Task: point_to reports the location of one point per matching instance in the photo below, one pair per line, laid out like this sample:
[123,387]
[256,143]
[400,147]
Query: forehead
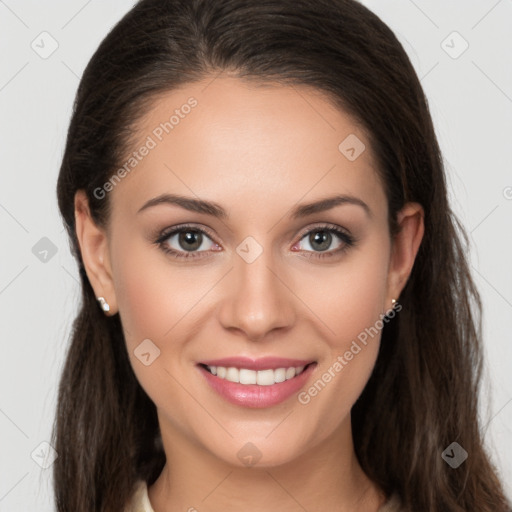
[234,141]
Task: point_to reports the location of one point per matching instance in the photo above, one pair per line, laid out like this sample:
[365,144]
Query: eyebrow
[214,209]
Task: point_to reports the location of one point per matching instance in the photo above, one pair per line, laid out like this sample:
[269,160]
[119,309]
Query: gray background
[470,95]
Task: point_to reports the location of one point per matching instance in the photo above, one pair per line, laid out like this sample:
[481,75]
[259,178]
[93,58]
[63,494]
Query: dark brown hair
[423,393]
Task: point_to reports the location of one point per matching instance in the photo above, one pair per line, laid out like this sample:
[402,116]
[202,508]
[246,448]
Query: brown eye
[329,240]
[320,240]
[186,242]
[190,240]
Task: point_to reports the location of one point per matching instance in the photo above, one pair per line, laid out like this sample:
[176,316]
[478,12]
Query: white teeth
[247,376]
[280,375]
[266,377]
[233,375]
[261,377]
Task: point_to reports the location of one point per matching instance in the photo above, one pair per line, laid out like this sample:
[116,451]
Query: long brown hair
[423,393]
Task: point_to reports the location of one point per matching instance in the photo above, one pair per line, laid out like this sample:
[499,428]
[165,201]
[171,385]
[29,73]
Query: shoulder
[392,505]
[140,500]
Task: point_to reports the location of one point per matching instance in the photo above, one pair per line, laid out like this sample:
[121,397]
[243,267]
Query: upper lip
[263,363]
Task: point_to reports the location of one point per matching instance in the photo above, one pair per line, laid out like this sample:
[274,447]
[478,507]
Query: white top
[141,503]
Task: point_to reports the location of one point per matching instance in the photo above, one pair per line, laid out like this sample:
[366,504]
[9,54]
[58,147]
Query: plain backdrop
[461,51]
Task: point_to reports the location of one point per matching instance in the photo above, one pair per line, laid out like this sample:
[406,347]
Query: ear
[405,246]
[93,243]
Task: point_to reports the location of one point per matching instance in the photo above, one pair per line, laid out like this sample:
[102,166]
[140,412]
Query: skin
[257,151]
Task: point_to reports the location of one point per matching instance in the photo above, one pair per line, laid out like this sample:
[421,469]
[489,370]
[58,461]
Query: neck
[325,477]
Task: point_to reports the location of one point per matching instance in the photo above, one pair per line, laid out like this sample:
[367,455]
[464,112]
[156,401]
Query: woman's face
[269,278]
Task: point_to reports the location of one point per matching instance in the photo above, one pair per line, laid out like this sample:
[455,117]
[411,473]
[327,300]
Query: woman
[277,311]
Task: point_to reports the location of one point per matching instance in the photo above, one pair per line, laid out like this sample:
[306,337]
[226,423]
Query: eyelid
[338,231]
[320,225]
[168,232]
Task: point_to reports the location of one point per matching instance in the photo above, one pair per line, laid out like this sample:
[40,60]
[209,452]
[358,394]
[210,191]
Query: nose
[257,298]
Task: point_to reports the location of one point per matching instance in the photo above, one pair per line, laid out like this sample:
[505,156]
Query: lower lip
[252,395]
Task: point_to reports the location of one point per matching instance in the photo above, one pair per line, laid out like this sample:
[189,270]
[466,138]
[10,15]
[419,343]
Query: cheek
[357,316]
[139,296]
[153,295]
[157,301]
[150,305]
[350,296]
[350,305]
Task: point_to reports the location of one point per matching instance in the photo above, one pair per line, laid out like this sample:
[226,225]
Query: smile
[261,377]
[256,384]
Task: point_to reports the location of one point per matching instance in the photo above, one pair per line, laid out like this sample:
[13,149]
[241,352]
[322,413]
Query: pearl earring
[103,304]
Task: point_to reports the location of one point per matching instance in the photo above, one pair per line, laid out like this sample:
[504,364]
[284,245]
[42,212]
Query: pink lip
[253,395]
[263,363]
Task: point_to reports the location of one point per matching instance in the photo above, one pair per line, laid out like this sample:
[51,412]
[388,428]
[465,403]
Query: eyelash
[348,241]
